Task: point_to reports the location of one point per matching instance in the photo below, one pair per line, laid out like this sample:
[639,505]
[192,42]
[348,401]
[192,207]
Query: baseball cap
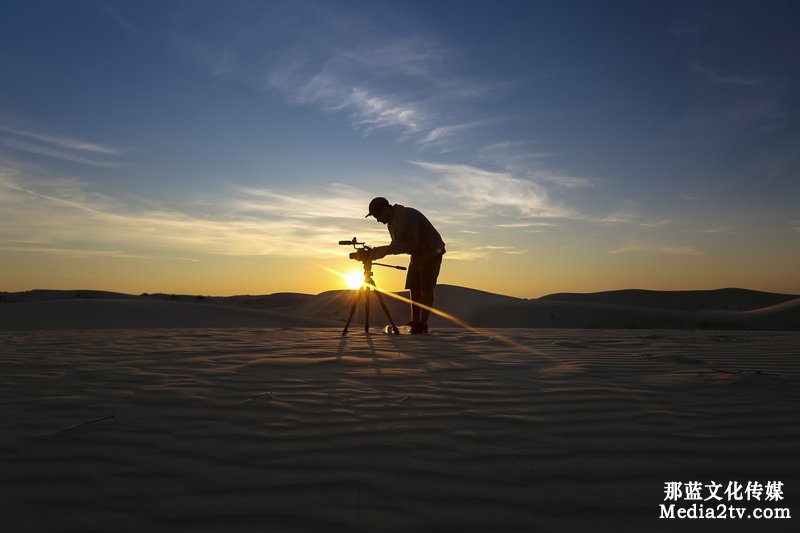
[376,205]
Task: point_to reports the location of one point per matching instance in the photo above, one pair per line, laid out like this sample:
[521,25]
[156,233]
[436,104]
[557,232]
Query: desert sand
[293,427]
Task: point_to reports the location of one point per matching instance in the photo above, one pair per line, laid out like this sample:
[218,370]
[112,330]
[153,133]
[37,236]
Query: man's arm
[379,252]
[405,246]
[405,238]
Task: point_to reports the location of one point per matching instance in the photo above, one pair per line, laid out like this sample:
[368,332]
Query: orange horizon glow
[499,274]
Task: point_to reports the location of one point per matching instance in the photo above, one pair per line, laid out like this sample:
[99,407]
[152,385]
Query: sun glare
[354,279]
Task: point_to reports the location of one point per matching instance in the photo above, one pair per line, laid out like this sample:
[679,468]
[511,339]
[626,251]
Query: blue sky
[558,146]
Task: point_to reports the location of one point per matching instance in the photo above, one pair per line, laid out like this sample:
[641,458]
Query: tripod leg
[386,310]
[352,311]
[366,308]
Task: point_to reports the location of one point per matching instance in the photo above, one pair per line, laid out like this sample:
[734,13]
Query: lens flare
[354,279]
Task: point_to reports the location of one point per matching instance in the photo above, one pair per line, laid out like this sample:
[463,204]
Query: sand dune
[718,299]
[141,313]
[629,309]
[307,431]
[262,301]
[543,314]
[784,316]
[636,309]
[40,295]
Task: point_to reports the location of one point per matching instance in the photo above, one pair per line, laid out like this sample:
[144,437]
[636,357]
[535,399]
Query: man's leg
[426,298]
[428,276]
[421,281]
[416,311]
[413,284]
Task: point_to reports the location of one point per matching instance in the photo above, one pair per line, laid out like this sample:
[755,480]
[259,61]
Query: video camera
[362,254]
[362,250]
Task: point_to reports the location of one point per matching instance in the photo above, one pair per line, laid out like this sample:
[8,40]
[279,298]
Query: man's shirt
[413,234]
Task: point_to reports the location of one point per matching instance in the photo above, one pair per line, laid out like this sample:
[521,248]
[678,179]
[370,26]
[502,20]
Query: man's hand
[378,253]
[373,254]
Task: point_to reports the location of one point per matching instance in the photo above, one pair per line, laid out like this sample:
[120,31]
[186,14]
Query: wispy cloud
[442,133]
[65,217]
[745,87]
[516,225]
[58,147]
[124,23]
[486,191]
[714,231]
[657,249]
[463,252]
[384,72]
[339,201]
[368,108]
[718,122]
[62,142]
[38,149]
[58,192]
[519,158]
[561,180]
[76,253]
[512,154]
[631,215]
[371,112]
[713,76]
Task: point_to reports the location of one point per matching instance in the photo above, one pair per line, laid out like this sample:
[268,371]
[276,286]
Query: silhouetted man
[413,234]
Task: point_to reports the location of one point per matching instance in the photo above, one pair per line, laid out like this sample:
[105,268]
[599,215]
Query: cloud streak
[441,133]
[373,112]
[657,249]
[486,191]
[124,23]
[62,142]
[713,76]
[526,225]
[384,72]
[58,147]
[65,217]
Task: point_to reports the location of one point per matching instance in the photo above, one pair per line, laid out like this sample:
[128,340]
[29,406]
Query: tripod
[365,289]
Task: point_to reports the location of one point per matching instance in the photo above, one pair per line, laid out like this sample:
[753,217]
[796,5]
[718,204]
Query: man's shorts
[423,276]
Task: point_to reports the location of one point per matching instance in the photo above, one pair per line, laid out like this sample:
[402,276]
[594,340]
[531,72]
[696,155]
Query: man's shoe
[418,329]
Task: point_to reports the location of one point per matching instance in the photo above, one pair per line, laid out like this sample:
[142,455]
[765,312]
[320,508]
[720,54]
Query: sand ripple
[302,430]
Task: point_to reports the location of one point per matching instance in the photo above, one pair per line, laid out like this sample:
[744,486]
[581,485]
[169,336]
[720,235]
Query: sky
[218,148]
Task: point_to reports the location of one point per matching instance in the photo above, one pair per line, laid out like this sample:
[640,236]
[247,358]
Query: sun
[354,279]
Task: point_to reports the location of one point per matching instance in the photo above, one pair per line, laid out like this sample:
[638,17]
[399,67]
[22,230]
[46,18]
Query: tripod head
[362,254]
